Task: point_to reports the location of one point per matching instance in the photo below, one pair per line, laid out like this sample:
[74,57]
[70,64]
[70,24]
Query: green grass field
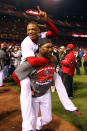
[80,100]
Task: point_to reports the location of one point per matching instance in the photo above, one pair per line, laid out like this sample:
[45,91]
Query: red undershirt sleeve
[33,61]
[15,78]
[53,30]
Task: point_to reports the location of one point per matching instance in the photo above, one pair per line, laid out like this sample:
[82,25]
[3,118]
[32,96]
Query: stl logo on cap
[71,46]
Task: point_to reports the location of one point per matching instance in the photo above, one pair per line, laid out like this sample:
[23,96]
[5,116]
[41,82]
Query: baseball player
[29,47]
[41,79]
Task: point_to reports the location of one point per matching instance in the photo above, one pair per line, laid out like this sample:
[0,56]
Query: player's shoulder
[25,41]
[43,34]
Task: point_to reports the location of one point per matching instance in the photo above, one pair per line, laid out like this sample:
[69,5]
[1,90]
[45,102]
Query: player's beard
[48,55]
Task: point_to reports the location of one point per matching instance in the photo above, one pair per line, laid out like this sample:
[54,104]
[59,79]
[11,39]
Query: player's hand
[42,14]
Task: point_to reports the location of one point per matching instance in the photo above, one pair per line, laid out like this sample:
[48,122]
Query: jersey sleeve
[15,78]
[23,70]
[33,61]
[53,30]
[27,50]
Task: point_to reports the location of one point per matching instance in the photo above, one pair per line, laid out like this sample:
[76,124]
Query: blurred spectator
[56,53]
[81,53]
[12,60]
[61,57]
[78,62]
[85,62]
[2,63]
[7,63]
[68,67]
[17,55]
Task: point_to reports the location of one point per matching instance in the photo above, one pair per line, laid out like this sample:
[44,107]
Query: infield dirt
[10,114]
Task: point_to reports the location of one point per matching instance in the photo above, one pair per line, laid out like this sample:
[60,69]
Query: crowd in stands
[10,9]
[13,24]
[12,29]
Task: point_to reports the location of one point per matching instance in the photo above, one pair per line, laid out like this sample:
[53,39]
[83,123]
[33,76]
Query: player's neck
[35,40]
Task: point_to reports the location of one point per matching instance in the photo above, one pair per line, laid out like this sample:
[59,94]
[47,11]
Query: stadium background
[13,22]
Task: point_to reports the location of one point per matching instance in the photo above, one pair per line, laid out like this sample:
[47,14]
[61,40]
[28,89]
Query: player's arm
[33,61]
[53,30]
[21,72]
[15,78]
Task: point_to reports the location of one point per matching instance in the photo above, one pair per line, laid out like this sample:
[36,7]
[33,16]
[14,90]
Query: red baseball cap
[71,46]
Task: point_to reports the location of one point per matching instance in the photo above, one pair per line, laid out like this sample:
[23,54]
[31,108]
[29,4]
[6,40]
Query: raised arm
[53,30]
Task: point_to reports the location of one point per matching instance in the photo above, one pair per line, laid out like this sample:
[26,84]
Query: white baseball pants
[26,105]
[63,96]
[44,103]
